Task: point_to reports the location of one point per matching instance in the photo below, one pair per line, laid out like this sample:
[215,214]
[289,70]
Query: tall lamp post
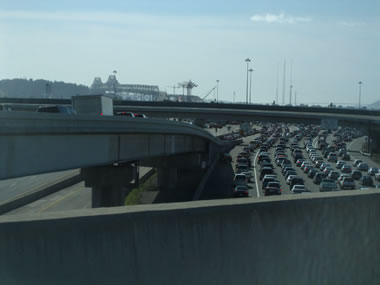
[246,96]
[114,84]
[360,92]
[250,85]
[217,90]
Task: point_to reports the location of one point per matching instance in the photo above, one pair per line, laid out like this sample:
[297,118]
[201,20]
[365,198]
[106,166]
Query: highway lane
[252,185]
[72,198]
[354,146]
[354,149]
[12,188]
[79,197]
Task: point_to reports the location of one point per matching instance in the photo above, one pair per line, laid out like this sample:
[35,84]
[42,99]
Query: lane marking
[315,142]
[257,183]
[60,200]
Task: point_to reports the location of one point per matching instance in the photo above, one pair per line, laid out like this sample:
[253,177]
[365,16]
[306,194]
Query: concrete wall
[325,238]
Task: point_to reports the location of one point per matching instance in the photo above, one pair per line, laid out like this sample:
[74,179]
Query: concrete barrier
[324,238]
[40,192]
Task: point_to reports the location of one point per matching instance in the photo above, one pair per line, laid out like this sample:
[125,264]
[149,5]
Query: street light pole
[250,85]
[246,96]
[290,94]
[360,92]
[114,85]
[217,91]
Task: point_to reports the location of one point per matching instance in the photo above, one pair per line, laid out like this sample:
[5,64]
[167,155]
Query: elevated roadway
[362,121]
[34,143]
[33,103]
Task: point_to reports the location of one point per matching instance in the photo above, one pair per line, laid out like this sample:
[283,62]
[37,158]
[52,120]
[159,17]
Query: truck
[244,129]
[92,105]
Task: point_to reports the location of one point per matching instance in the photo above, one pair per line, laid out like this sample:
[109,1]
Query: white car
[248,174]
[240,179]
[298,189]
[290,177]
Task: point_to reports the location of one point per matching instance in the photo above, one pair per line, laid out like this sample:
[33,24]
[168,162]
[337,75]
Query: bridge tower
[189,85]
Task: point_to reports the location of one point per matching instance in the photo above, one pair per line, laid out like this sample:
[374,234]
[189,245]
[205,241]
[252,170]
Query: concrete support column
[167,178]
[110,184]
[374,142]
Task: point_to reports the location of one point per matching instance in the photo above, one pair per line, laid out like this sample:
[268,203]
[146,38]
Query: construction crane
[189,85]
[174,88]
[209,92]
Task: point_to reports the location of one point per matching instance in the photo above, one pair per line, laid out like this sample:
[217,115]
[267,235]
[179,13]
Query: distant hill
[28,88]
[375,105]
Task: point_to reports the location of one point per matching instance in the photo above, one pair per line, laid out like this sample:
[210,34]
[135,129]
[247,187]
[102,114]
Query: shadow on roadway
[219,185]
[188,181]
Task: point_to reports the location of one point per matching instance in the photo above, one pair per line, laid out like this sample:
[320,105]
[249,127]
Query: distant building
[136,92]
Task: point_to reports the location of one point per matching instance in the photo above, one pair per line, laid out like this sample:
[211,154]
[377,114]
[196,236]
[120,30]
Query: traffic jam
[277,159]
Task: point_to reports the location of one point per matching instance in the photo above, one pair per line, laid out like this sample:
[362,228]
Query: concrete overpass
[367,120]
[370,124]
[107,149]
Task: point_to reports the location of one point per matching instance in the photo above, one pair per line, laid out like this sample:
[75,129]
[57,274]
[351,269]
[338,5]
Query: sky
[328,46]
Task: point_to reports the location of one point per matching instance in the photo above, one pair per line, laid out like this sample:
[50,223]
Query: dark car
[267,180]
[287,168]
[125,114]
[226,157]
[373,170]
[56,109]
[366,180]
[240,191]
[266,164]
[318,178]
[298,156]
[346,156]
[269,191]
[362,166]
[296,181]
[346,168]
[328,185]
[356,174]
[275,184]
[265,171]
[241,160]
[289,172]
[312,172]
[137,115]
[334,175]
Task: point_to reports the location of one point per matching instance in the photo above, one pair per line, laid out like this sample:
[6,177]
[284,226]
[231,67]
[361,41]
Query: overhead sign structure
[329,124]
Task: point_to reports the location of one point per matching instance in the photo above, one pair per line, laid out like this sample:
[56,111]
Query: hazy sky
[332,45]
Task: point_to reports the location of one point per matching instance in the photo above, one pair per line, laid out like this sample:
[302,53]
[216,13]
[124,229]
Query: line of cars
[243,165]
[270,182]
[334,174]
[329,169]
[243,173]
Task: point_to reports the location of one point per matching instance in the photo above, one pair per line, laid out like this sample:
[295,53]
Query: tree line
[40,88]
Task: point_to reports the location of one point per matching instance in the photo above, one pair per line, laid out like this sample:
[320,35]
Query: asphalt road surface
[71,198]
[12,188]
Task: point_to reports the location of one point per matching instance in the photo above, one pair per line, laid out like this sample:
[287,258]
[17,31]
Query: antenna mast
[283,85]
